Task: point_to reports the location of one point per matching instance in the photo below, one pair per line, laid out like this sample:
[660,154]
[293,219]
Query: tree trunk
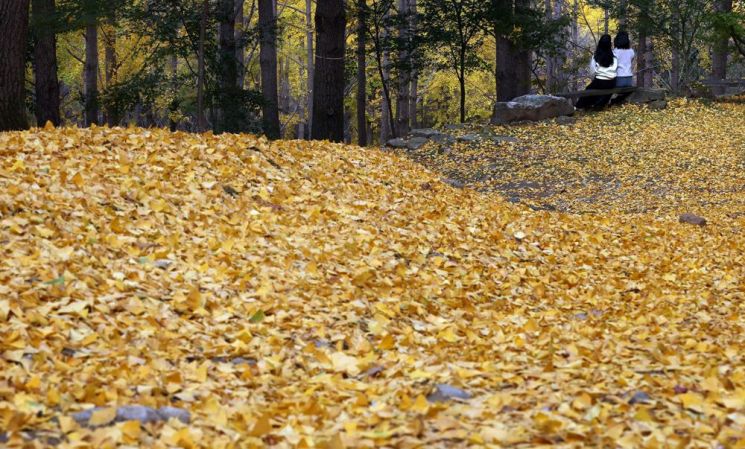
[173,107]
[606,20]
[720,49]
[91,74]
[649,64]
[361,73]
[404,71]
[311,63]
[387,125]
[414,95]
[550,60]
[201,120]
[513,63]
[268,63]
[231,116]
[110,69]
[641,52]
[328,86]
[675,70]
[45,64]
[240,43]
[462,82]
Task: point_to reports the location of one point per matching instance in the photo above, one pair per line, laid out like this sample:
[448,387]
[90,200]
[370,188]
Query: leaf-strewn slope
[304,294]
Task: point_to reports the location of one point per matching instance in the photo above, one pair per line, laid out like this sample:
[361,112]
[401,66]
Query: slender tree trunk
[173,107]
[575,36]
[311,63]
[675,70]
[720,49]
[45,64]
[240,43]
[91,74]
[649,64]
[268,63]
[387,125]
[606,20]
[404,70]
[328,86]
[361,73]
[201,120]
[462,81]
[414,95]
[110,69]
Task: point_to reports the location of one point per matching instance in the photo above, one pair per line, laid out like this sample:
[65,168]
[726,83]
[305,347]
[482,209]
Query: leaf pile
[311,295]
[689,158]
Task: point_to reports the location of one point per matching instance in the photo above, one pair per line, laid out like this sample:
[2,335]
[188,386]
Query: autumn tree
[361,73]
[46,82]
[14,18]
[328,85]
[268,62]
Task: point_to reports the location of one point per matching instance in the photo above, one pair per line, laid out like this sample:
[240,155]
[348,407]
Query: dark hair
[622,41]
[604,53]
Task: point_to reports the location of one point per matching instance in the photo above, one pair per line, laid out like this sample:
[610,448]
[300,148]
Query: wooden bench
[574,96]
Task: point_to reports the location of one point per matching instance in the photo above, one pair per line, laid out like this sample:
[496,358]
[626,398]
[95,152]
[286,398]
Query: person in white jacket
[625,55]
[604,68]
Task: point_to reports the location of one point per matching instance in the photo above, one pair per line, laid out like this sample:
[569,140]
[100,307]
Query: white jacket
[604,73]
[625,61]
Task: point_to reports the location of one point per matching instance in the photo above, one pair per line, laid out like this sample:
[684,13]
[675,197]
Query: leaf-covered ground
[630,159]
[310,295]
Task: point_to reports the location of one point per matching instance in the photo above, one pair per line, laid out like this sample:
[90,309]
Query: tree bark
[91,74]
[110,69]
[328,85]
[46,87]
[268,63]
[404,71]
[240,43]
[231,109]
[513,63]
[387,125]
[201,120]
[720,49]
[361,73]
[414,95]
[311,63]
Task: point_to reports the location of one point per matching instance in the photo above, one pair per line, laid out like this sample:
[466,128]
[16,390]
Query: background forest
[199,64]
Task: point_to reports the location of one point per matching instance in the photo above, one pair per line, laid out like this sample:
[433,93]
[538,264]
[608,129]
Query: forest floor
[313,295]
[630,159]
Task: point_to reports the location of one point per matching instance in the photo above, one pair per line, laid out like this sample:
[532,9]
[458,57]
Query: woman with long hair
[604,67]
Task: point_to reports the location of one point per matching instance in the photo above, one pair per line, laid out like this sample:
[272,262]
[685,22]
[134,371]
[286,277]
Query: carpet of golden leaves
[311,295]
[630,159]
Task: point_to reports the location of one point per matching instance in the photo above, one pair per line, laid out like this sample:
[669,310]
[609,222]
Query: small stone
[444,150]
[139,413]
[657,105]
[416,142]
[373,371]
[640,397]
[454,183]
[243,361]
[445,392]
[163,263]
[167,412]
[426,186]
[566,120]
[427,133]
[514,199]
[680,389]
[397,143]
[467,138]
[581,316]
[692,219]
[443,138]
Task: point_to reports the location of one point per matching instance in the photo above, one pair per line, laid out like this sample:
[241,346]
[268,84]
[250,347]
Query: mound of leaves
[179,290]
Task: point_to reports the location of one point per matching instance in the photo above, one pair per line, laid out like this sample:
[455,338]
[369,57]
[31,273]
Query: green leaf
[257,317]
[58,281]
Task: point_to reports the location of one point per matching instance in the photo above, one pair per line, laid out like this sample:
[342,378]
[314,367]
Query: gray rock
[427,133]
[503,139]
[657,105]
[692,219]
[139,413]
[531,108]
[640,397]
[416,142]
[642,96]
[397,143]
[468,138]
[454,183]
[566,120]
[444,150]
[443,138]
[445,392]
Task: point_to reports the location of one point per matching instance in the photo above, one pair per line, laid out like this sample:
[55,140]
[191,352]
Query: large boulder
[643,96]
[532,108]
